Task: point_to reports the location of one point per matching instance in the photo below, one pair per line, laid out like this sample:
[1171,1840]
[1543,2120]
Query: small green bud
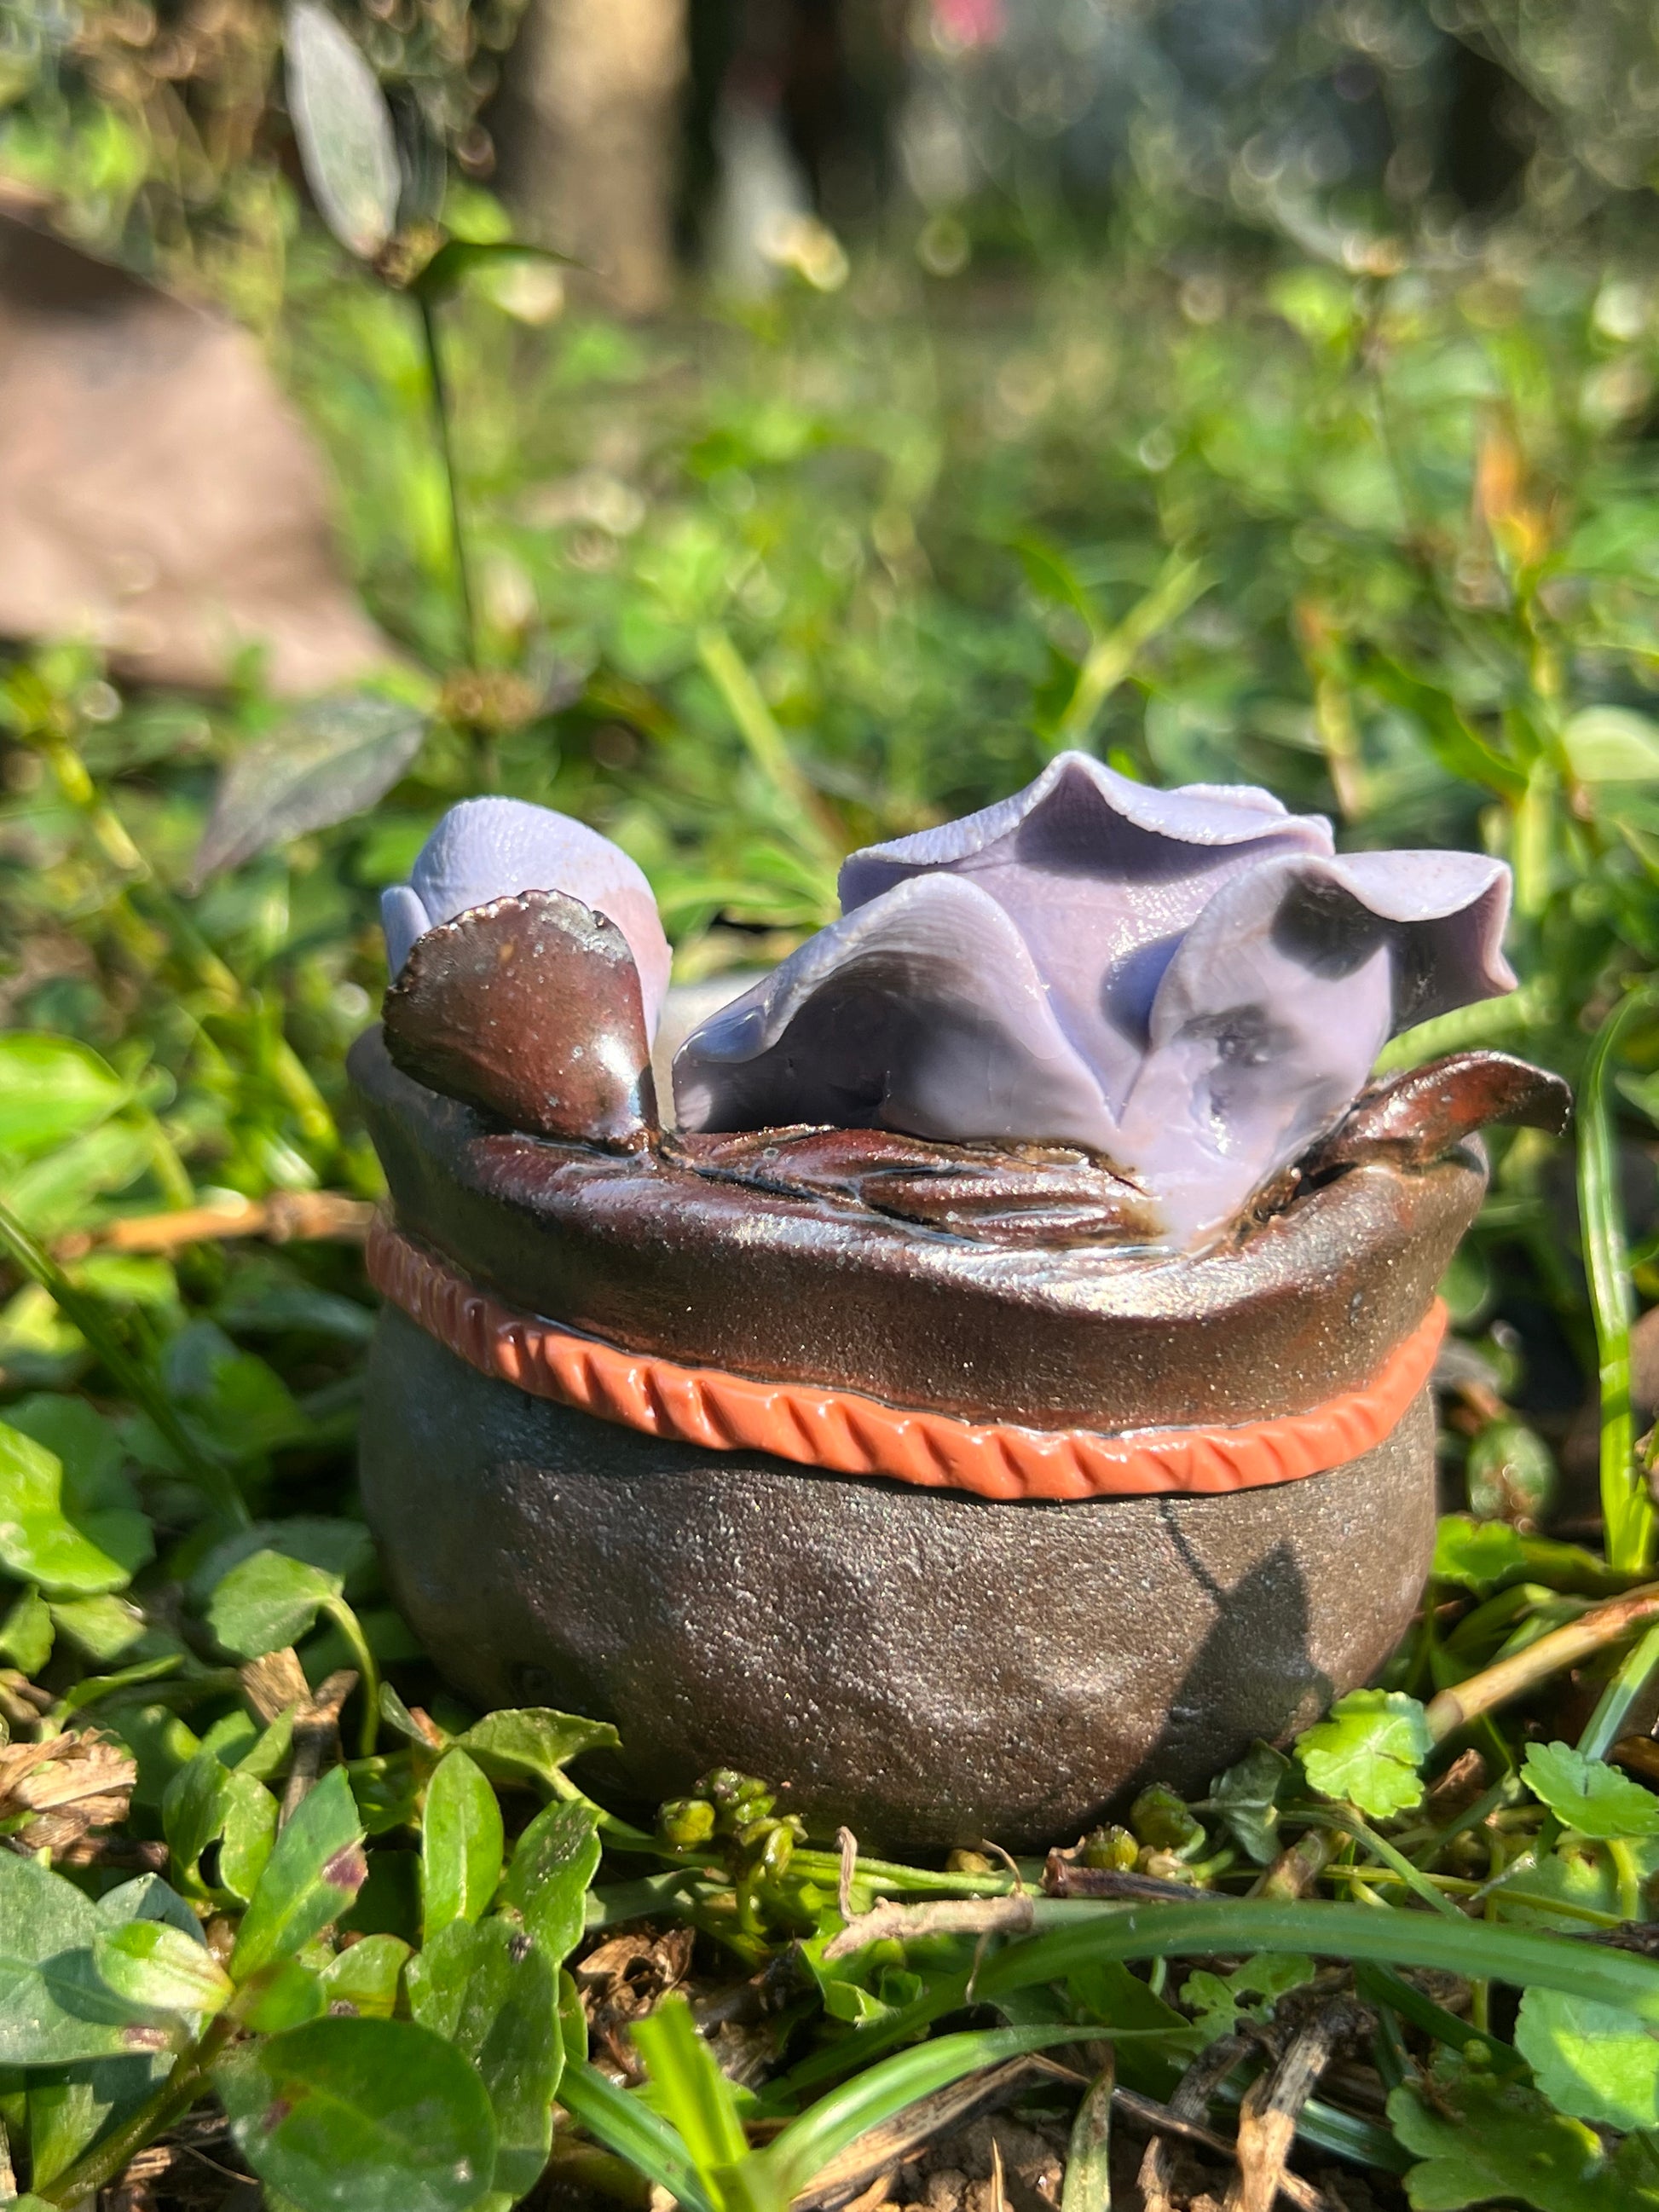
[685,1822]
[1163,1823]
[1113,1848]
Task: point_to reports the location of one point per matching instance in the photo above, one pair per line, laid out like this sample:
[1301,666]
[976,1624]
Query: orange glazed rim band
[847,1433]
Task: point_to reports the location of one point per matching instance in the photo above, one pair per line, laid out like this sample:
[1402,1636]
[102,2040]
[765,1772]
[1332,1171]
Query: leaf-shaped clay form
[1187,982]
[1050,1196]
[491,848]
[529,1008]
[1272,1013]
[1414,1119]
[1102,876]
[922,1012]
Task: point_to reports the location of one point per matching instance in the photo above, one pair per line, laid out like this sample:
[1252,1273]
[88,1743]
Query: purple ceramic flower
[1189,981]
[489,848]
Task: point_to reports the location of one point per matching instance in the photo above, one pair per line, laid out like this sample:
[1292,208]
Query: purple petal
[402,918]
[1102,876]
[1271,1015]
[488,848]
[921,1012]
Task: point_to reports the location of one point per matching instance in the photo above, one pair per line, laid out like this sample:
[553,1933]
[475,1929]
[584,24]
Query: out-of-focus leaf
[1612,745]
[157,1966]
[361,2116]
[51,1088]
[1588,1794]
[553,1864]
[339,1547]
[243,1404]
[457,258]
[1476,1554]
[27,1633]
[492,1991]
[267,1601]
[687,2088]
[1596,2062]
[44,1539]
[334,759]
[314,1871]
[344,129]
[533,1743]
[1369,1751]
[462,1841]
[1510,1472]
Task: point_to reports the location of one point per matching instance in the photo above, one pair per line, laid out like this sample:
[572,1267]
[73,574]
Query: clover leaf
[1480,2138]
[1597,2062]
[1369,1751]
[1588,1794]
[48,1537]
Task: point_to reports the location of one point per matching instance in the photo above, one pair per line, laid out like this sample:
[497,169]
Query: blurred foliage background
[1262,392]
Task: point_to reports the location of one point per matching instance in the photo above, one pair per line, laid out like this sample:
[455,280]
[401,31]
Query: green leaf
[1246,1797]
[1087,2186]
[1476,1554]
[1588,1794]
[51,1088]
[533,1743]
[335,758]
[148,1897]
[688,2089]
[1480,2138]
[361,2115]
[492,1991]
[43,1540]
[314,1871]
[27,1633]
[346,138]
[461,1845]
[1220,2001]
[365,1976]
[457,258]
[54,2009]
[1612,745]
[281,1997]
[339,1547]
[70,2107]
[269,1602]
[807,2144]
[159,1968]
[1368,1751]
[1596,2062]
[553,1864]
[624,2123]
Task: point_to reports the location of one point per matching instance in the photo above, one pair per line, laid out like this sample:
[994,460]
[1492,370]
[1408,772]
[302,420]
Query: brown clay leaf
[530,1008]
[1013,1194]
[1416,1118]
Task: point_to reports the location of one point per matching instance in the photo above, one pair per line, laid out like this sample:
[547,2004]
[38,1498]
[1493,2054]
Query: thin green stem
[369,1687]
[1627,1514]
[86,1312]
[443,417]
[186,2082]
[1607,1722]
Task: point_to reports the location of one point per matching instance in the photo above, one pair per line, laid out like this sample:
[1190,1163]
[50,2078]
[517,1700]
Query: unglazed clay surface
[928,1667]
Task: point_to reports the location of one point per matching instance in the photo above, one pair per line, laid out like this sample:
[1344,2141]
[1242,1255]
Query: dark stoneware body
[929,1667]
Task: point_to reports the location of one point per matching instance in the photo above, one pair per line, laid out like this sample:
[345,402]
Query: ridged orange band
[850,1434]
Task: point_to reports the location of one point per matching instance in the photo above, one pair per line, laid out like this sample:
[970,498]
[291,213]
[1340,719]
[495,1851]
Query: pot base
[929,1668]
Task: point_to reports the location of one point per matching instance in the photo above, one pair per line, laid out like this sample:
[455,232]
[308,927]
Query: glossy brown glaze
[1414,1119]
[528,1009]
[650,1251]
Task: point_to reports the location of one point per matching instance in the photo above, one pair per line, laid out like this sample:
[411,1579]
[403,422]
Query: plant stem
[102,2164]
[369,1688]
[1627,1515]
[1563,1647]
[1610,1719]
[86,1313]
[441,416]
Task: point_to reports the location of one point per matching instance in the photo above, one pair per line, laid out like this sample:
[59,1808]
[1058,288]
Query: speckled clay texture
[929,1667]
